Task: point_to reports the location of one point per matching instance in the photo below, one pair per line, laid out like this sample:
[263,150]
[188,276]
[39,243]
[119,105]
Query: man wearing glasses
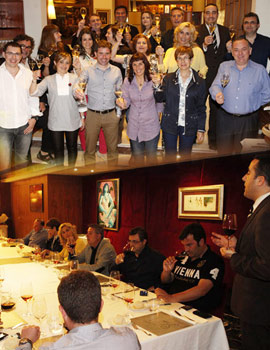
[140,265]
[16,107]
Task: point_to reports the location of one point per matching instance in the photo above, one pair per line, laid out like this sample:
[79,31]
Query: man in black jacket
[212,38]
[250,259]
[177,17]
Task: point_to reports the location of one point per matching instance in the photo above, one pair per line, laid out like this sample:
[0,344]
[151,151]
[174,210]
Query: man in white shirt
[16,124]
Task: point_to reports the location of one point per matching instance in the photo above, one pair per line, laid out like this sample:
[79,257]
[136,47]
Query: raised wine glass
[229,226]
[27,294]
[39,60]
[82,86]
[225,79]
[83,12]
[157,36]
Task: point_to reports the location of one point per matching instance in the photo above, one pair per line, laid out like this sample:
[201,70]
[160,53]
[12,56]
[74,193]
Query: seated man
[53,243]
[141,265]
[38,236]
[196,277]
[80,301]
[99,254]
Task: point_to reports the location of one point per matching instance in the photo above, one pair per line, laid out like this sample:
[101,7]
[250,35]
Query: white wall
[262,8]
[35,18]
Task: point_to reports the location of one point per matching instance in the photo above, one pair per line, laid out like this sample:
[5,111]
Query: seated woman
[184,35]
[184,113]
[69,239]
[143,125]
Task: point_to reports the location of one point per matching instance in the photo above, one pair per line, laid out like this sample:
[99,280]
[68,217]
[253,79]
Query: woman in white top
[184,35]
[64,117]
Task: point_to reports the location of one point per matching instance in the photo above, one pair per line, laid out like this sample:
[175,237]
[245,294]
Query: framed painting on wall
[108,203]
[36,198]
[204,202]
[105,16]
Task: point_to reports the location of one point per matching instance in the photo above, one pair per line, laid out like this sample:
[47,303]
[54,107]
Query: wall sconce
[51,10]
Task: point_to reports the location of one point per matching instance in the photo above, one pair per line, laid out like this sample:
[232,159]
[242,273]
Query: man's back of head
[79,295]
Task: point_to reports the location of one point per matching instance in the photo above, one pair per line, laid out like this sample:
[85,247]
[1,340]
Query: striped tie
[215,42]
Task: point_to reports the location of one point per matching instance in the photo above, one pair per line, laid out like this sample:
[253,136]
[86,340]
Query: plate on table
[139,306]
[119,321]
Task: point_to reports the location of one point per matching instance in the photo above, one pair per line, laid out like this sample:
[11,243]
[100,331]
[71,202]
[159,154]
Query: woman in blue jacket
[184,114]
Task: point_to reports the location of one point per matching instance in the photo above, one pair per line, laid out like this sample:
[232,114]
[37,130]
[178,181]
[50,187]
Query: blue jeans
[10,138]
[185,142]
[148,147]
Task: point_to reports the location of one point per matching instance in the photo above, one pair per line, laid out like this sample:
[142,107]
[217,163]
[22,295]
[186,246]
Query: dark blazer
[251,287]
[213,60]
[56,247]
[195,104]
[167,39]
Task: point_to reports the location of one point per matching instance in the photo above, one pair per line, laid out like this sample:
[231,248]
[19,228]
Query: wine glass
[225,79]
[32,63]
[127,248]
[115,278]
[82,86]
[157,36]
[39,60]
[76,51]
[179,254]
[73,265]
[39,308]
[127,28]
[229,226]
[129,293]
[27,294]
[83,12]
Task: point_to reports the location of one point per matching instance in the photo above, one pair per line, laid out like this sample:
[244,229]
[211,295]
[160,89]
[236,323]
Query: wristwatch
[25,344]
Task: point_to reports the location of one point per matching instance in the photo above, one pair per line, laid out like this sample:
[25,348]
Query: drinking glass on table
[229,226]
[39,308]
[27,294]
[115,278]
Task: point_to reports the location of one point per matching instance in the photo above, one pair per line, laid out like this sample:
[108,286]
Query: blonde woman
[70,240]
[184,35]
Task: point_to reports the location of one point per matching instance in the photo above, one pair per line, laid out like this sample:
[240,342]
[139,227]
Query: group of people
[172,78]
[193,276]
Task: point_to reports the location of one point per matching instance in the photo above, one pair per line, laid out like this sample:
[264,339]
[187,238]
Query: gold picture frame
[108,203]
[202,202]
[105,16]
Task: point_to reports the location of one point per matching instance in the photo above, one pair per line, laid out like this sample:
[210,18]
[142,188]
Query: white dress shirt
[16,106]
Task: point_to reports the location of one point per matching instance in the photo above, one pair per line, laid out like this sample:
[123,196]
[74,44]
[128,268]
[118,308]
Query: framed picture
[204,202]
[108,203]
[36,198]
[105,16]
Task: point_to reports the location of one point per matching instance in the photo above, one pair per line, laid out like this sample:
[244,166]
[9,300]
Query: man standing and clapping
[250,259]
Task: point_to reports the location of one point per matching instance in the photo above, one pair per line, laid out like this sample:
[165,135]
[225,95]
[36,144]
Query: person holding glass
[64,116]
[143,124]
[184,114]
[149,29]
[184,35]
[70,241]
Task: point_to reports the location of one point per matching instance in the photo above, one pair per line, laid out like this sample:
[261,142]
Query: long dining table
[159,329]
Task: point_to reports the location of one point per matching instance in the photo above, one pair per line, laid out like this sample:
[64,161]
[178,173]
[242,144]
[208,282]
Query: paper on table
[11,319]
[160,323]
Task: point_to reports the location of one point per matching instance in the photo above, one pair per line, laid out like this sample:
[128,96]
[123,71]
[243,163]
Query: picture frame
[105,16]
[36,198]
[108,203]
[202,202]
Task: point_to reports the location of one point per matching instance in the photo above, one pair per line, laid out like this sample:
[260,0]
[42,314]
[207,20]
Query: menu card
[160,323]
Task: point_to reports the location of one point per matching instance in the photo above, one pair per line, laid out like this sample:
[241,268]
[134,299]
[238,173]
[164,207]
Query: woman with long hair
[149,29]
[143,124]
[185,34]
[70,240]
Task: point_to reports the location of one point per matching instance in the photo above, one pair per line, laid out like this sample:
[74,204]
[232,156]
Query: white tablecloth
[208,336]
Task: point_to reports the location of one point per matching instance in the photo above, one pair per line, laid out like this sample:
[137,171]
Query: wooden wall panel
[235,11]
[22,217]
[65,199]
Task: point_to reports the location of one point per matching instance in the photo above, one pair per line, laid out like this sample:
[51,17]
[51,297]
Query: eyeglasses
[134,241]
[185,58]
[250,22]
[17,54]
[26,47]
